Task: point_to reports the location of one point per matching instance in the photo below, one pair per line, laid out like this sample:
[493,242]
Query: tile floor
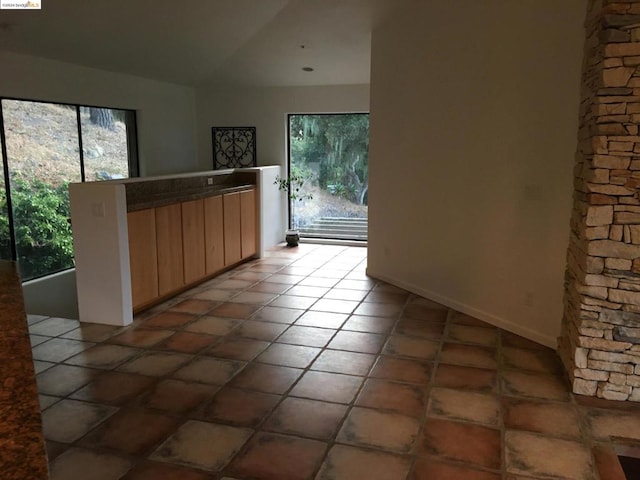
[299,366]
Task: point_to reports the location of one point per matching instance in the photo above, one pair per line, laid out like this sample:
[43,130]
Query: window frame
[132,160]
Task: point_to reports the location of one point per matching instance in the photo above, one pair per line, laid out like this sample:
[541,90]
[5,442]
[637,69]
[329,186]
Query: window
[46,146]
[330,152]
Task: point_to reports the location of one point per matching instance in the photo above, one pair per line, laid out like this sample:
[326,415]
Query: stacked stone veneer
[600,342]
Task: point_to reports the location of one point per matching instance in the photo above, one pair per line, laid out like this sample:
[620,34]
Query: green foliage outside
[43,235]
[336,147]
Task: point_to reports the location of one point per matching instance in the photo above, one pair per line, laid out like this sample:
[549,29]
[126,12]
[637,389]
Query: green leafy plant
[294,183]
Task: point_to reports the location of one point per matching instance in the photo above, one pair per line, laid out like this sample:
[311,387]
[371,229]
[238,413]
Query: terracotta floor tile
[376,429]
[277,314]
[55,449]
[550,418]
[402,370]
[533,360]
[339,361]
[322,319]
[214,371]
[267,378]
[194,305]
[314,281]
[536,385]
[355,284]
[464,405]
[360,323]
[216,295]
[59,349]
[442,438]
[251,276]
[76,462]
[307,336]
[235,310]
[419,348]
[306,418]
[92,332]
[284,279]
[428,469]
[202,445]
[229,284]
[274,288]
[238,407]
[266,331]
[400,398]
[344,462]
[386,297]
[114,388]
[47,400]
[155,364]
[357,342]
[412,327]
[334,306]
[292,301]
[330,387]
[512,340]
[534,455]
[467,378]
[307,291]
[288,355]
[425,312]
[379,310]
[278,457]
[605,424]
[35,340]
[140,337]
[187,342]
[254,298]
[104,356]
[424,302]
[469,356]
[213,326]
[487,337]
[463,319]
[61,380]
[169,319]
[345,294]
[236,348]
[163,471]
[68,420]
[148,428]
[178,397]
[52,327]
[40,367]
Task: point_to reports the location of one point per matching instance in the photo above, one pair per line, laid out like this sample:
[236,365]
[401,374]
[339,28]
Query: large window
[330,152]
[46,146]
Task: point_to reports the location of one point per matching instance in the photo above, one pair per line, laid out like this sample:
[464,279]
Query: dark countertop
[169,197]
[22,448]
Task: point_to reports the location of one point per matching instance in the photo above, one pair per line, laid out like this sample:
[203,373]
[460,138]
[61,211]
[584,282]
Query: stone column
[600,341]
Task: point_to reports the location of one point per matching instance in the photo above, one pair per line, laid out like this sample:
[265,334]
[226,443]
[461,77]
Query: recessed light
[307,69]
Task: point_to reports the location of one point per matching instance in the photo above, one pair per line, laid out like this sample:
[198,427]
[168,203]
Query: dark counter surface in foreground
[22,447]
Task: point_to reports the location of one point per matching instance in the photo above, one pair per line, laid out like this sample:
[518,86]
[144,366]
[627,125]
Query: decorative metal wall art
[233,147]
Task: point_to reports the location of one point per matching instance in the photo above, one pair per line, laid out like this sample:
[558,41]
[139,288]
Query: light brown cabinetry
[143,256]
[169,244]
[232,237]
[193,240]
[213,234]
[248,223]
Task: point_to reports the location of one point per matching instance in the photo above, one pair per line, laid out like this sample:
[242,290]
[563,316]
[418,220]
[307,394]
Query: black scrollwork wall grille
[233,147]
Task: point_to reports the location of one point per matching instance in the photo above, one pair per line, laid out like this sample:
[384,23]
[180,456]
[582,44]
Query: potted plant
[293,185]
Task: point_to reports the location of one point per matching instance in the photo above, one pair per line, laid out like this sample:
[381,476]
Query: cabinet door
[169,244]
[232,248]
[248,222]
[213,234]
[143,257]
[193,240]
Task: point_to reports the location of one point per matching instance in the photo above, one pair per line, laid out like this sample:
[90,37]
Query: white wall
[166,135]
[165,112]
[267,110]
[474,109]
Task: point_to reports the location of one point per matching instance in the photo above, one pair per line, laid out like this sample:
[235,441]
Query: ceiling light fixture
[307,69]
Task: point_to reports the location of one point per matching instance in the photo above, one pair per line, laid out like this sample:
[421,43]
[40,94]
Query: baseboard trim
[468,310]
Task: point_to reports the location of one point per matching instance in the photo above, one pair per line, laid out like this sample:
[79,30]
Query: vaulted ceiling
[197,42]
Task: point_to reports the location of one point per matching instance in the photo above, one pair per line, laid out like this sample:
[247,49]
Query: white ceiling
[196,42]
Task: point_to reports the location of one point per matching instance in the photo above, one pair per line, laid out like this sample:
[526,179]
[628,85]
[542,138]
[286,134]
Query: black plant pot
[292,237]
